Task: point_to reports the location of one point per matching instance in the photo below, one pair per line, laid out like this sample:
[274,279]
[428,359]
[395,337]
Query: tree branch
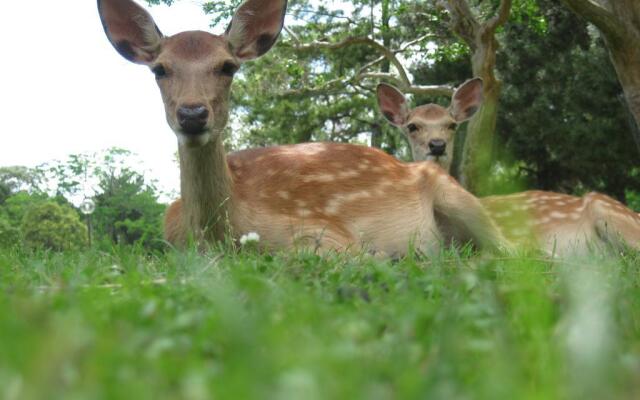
[463,22]
[602,18]
[338,84]
[332,86]
[433,90]
[292,34]
[500,18]
[350,41]
[408,44]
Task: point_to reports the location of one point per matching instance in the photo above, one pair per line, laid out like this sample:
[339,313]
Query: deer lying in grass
[551,221]
[324,195]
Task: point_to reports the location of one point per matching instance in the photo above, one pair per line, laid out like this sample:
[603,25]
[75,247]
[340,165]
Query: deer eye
[452,127]
[229,68]
[159,71]
[412,128]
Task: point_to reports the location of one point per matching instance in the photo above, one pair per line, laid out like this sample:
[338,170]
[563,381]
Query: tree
[52,226]
[127,210]
[127,207]
[480,35]
[16,178]
[562,119]
[9,234]
[619,23]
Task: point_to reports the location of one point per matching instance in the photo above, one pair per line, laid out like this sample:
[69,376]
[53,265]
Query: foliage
[17,178]
[298,93]
[564,116]
[16,206]
[127,207]
[127,210]
[49,225]
[9,234]
[295,325]
[304,91]
[12,214]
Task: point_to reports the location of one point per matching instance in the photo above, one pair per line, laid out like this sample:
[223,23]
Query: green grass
[242,325]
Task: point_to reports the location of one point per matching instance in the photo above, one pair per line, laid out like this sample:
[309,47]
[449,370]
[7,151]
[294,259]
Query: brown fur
[325,196]
[431,112]
[553,222]
[562,223]
[344,197]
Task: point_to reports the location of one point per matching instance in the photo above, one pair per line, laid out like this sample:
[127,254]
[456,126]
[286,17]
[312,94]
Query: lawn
[243,325]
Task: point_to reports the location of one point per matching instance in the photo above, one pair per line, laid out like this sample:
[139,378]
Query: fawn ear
[466,100]
[130,30]
[393,104]
[255,27]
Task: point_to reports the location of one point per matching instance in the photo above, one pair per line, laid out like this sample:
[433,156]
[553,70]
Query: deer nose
[437,147]
[193,118]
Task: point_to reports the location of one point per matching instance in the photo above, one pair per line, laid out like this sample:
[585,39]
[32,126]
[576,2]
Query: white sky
[64,89]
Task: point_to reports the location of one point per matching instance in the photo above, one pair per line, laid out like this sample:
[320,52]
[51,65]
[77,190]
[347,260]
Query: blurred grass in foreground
[297,326]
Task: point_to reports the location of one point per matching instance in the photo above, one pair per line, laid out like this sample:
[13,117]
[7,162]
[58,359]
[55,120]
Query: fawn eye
[229,68]
[159,71]
[452,127]
[412,128]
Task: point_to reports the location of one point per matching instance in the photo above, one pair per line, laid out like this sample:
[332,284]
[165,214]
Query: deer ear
[466,100]
[255,27]
[130,30]
[393,104]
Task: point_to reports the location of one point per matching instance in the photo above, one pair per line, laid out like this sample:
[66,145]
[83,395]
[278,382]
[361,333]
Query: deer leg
[464,217]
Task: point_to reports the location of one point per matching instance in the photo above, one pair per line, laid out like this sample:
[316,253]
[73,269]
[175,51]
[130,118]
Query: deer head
[193,69]
[430,128]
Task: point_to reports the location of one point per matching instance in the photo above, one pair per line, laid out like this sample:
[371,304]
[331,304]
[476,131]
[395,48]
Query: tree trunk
[477,154]
[475,167]
[619,23]
[626,62]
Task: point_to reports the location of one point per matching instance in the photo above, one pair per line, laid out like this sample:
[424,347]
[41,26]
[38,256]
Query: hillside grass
[243,325]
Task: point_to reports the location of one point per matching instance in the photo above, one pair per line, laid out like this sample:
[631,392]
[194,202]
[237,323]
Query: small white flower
[249,238]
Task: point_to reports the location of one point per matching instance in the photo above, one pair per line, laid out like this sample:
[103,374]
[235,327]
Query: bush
[9,234]
[51,226]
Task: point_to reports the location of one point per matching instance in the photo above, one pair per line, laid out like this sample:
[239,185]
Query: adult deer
[547,220]
[328,196]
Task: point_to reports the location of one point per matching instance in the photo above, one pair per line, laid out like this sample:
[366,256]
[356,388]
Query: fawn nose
[193,118]
[437,147]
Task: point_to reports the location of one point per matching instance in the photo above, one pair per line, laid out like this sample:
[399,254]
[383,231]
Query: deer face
[430,129]
[193,69]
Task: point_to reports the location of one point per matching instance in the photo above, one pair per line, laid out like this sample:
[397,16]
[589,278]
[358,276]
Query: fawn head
[430,128]
[193,69]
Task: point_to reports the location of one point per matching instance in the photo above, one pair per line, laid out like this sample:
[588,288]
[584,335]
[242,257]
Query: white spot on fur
[319,178]
[283,194]
[574,216]
[557,215]
[332,208]
[503,214]
[520,232]
[348,174]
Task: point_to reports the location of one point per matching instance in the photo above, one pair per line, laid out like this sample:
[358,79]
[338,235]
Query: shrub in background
[52,226]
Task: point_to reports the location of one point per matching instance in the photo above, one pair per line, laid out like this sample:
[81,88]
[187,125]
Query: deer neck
[206,190]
